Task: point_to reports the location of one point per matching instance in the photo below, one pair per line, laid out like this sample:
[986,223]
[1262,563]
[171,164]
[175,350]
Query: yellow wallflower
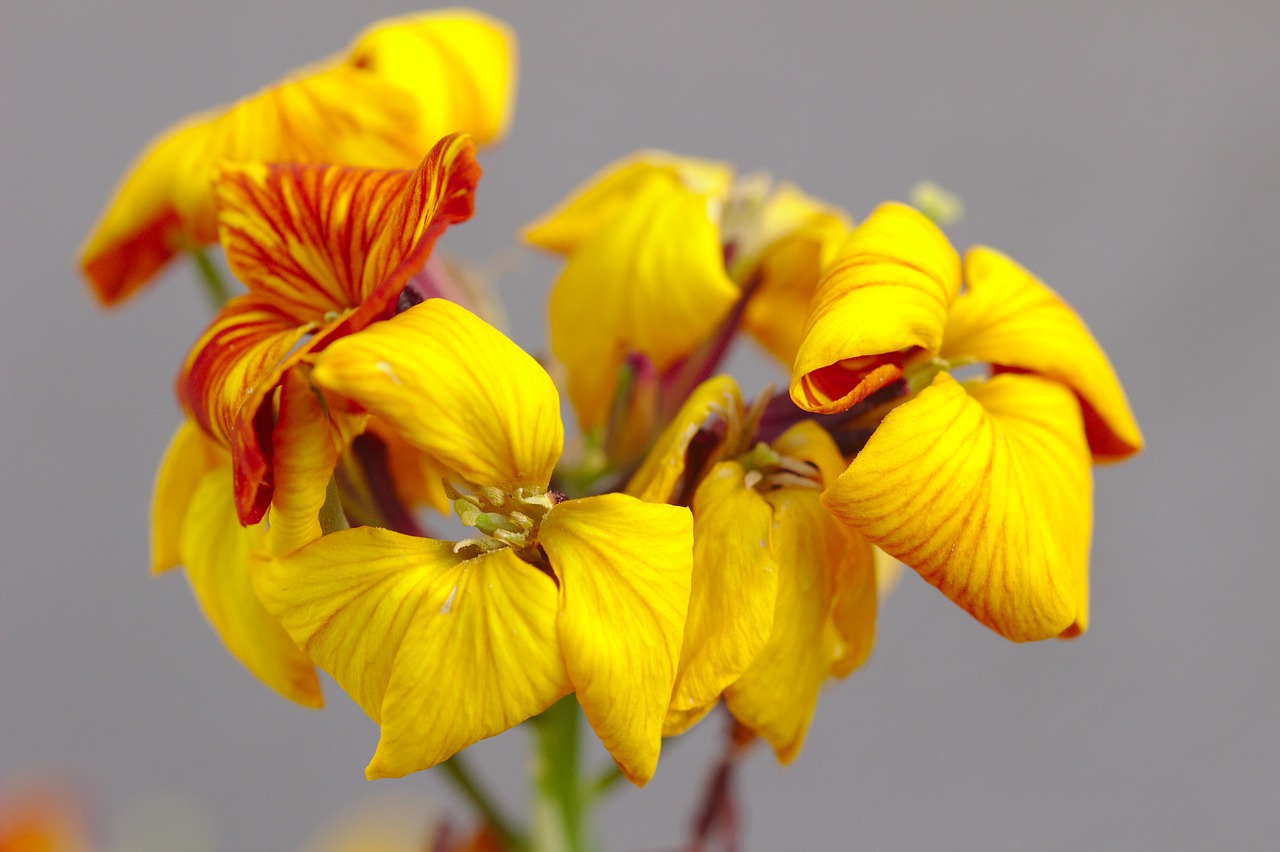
[982,486]
[446,643]
[401,85]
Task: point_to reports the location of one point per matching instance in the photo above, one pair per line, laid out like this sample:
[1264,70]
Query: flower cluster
[698,546]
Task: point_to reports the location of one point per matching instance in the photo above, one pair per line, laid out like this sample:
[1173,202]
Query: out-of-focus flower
[402,85]
[983,486]
[324,251]
[42,817]
[659,251]
[783,595]
[447,643]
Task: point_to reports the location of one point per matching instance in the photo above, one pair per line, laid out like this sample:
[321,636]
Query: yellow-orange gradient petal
[649,280]
[614,188]
[1008,318]
[456,387]
[887,291]
[219,554]
[459,65]
[777,694]
[663,469]
[733,595]
[624,569]
[961,493]
[190,455]
[439,650]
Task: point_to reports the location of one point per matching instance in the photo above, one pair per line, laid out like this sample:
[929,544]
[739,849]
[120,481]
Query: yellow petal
[616,186]
[853,611]
[887,291]
[418,477]
[624,569]
[777,694]
[733,595]
[308,439]
[789,269]
[1009,318]
[439,650]
[219,554]
[963,487]
[191,454]
[453,386]
[459,65]
[650,280]
[661,473]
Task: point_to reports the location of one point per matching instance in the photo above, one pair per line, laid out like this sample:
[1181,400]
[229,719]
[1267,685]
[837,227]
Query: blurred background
[1127,153]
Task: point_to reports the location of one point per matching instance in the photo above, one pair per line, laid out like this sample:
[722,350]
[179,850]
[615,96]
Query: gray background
[1125,152]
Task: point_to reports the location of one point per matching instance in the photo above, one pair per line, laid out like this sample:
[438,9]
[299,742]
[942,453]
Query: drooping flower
[983,486]
[783,595]
[324,251]
[447,643]
[659,251]
[402,85]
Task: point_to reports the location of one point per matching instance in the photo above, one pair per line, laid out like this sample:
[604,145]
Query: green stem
[561,801]
[467,784]
[214,285]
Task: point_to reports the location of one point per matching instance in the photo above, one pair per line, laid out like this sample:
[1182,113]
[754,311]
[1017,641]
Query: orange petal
[733,595]
[887,291]
[1009,318]
[456,387]
[459,65]
[662,471]
[624,569]
[983,494]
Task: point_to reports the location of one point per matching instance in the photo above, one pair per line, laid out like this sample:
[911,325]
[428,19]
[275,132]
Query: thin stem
[466,783]
[214,285]
[561,801]
[606,781]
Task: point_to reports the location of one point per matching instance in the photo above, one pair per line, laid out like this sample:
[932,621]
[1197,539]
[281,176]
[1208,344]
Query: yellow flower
[324,251]
[783,595]
[982,486]
[445,643]
[659,250]
[401,85]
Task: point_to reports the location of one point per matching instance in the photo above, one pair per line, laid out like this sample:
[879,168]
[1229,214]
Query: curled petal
[733,594]
[963,487]
[456,387]
[887,291]
[1007,317]
[624,569]
[459,66]
[650,280]
[777,694]
[219,555]
[614,188]
[660,475]
[439,650]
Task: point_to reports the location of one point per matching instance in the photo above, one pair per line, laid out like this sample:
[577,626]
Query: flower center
[768,470]
[503,519]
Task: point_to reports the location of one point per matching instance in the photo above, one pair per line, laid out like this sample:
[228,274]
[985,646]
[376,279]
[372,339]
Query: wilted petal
[624,569]
[454,386]
[650,280]
[614,188]
[663,469]
[459,65]
[441,651]
[962,493]
[733,595]
[887,291]
[777,694]
[218,554]
[1007,317]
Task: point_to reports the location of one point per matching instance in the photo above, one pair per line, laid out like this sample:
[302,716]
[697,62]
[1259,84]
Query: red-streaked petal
[1007,317]
[887,291]
[986,495]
